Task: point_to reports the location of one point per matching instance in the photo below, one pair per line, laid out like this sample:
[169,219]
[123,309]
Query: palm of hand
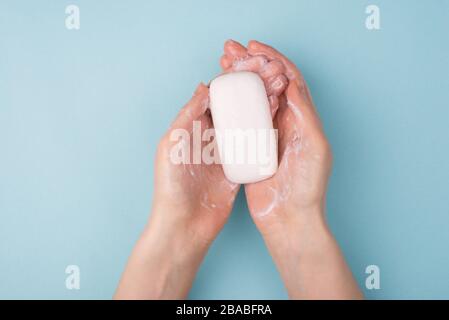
[300,180]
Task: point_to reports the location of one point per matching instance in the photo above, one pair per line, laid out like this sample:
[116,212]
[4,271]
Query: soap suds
[295,110]
[205,202]
[283,192]
[253,64]
[273,204]
[279,196]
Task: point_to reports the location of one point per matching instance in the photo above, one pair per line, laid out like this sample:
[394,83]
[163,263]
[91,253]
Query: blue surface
[81,113]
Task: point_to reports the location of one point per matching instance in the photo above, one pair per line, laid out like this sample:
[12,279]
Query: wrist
[168,257]
[296,236]
[163,263]
[310,261]
[173,235]
[286,225]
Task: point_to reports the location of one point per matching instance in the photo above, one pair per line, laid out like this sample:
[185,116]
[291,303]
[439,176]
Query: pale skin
[193,202]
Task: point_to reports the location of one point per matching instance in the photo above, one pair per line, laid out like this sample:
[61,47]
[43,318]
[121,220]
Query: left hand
[196,196]
[191,204]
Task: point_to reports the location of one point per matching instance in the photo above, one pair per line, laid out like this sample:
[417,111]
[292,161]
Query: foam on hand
[246,140]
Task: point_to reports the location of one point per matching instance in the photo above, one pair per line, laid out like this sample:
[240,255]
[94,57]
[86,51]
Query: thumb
[197,106]
[300,103]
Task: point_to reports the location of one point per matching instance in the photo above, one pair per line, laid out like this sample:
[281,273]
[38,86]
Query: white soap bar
[246,140]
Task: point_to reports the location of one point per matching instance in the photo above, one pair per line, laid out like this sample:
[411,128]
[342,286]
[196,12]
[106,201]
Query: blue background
[81,113]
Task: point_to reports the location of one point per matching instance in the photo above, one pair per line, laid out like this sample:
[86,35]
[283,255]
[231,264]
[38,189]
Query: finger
[272,69]
[225,62]
[276,85]
[288,126]
[197,106]
[298,102]
[206,121]
[283,122]
[235,50]
[258,48]
[253,64]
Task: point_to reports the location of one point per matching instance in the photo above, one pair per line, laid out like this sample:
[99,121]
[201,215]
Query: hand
[289,207]
[190,206]
[299,185]
[197,194]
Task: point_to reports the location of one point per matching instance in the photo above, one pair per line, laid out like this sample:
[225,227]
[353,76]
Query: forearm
[163,263]
[310,260]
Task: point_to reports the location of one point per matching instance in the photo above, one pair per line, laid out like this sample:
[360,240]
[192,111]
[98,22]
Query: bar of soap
[246,140]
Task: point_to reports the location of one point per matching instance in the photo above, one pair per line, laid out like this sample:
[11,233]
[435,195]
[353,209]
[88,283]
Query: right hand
[288,208]
[298,188]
